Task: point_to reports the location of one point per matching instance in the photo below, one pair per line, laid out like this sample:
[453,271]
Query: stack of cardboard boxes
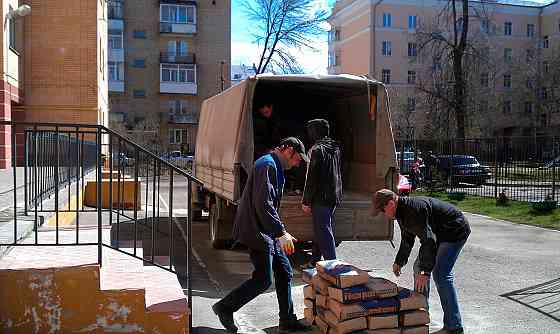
[341,298]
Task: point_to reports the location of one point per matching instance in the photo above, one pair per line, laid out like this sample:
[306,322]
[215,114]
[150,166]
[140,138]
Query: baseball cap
[297,145]
[380,200]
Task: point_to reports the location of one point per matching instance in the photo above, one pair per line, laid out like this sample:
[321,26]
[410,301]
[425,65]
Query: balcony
[177,28]
[177,87]
[116,86]
[177,17]
[177,58]
[116,55]
[178,79]
[182,119]
[115,10]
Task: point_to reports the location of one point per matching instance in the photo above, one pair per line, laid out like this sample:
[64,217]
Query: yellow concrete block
[126,194]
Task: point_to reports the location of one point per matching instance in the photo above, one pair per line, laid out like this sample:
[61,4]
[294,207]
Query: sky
[245,51]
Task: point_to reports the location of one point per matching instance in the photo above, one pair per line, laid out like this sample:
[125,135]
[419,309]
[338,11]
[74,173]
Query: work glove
[287,243]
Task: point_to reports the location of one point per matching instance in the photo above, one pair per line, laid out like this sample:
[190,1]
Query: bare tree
[281,26]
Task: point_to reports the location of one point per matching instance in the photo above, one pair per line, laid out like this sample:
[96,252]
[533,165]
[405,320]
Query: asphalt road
[508,280]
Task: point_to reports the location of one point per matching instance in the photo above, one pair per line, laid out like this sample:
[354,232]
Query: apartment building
[54,64]
[379,38]
[165,58]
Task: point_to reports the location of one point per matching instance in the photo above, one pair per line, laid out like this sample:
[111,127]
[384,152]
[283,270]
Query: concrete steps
[62,290]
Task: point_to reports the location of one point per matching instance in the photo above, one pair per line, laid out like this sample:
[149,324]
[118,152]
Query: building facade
[381,38]
[165,58]
[54,59]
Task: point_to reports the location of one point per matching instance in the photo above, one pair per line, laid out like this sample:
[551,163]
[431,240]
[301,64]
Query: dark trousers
[265,265]
[323,233]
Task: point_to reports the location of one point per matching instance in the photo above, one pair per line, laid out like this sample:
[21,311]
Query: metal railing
[107,182]
[523,168]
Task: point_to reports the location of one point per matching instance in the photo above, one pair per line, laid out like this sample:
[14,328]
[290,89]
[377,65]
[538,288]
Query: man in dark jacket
[258,226]
[323,189]
[443,231]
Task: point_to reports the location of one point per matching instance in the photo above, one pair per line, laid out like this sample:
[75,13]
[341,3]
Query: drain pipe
[373,46]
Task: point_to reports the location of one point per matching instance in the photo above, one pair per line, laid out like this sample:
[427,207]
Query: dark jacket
[432,221]
[323,184]
[257,223]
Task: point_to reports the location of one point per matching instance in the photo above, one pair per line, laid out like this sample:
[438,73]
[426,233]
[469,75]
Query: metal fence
[114,184]
[523,168]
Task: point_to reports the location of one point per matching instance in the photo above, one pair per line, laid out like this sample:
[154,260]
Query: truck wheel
[215,228]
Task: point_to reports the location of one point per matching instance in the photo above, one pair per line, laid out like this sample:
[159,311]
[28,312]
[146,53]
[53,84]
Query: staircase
[62,290]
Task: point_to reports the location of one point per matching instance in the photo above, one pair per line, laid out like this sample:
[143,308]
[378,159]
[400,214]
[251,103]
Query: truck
[357,109]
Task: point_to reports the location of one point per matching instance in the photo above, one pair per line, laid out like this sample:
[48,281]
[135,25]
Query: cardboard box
[320,285]
[321,301]
[385,331]
[378,287]
[411,300]
[346,311]
[344,326]
[309,303]
[309,315]
[379,306]
[308,274]
[308,292]
[416,330]
[322,324]
[341,274]
[414,318]
[347,295]
[383,321]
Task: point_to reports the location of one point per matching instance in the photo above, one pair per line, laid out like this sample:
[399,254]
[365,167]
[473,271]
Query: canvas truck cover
[225,135]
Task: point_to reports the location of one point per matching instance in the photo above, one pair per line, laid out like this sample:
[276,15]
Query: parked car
[404,187]
[457,169]
[176,158]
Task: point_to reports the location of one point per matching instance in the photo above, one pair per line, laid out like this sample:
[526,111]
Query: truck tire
[220,225]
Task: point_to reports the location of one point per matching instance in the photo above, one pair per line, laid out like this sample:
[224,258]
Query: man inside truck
[258,226]
[323,189]
[264,129]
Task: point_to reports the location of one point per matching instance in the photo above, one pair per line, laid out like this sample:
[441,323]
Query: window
[484,80]
[178,14]
[528,107]
[386,19]
[412,20]
[530,55]
[12,27]
[115,39]
[176,136]
[530,30]
[507,107]
[178,73]
[139,63]
[386,76]
[115,10]
[139,34]
[508,55]
[507,28]
[485,25]
[545,43]
[334,35]
[177,48]
[116,71]
[411,104]
[507,80]
[543,93]
[386,48]
[412,50]
[412,77]
[334,58]
[177,107]
[546,66]
[139,93]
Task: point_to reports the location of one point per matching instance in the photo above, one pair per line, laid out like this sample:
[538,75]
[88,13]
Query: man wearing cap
[258,226]
[323,189]
[443,231]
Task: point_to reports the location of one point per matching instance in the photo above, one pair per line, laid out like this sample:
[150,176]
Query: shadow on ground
[543,298]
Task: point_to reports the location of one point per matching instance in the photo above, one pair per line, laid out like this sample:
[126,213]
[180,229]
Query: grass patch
[516,212]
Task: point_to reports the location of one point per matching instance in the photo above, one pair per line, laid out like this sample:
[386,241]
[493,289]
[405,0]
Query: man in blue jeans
[258,226]
[323,189]
[443,231]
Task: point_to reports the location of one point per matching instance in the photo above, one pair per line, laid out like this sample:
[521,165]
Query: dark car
[457,169]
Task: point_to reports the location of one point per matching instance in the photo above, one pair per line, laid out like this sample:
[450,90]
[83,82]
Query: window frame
[386,48]
[174,17]
[508,28]
[387,20]
[386,75]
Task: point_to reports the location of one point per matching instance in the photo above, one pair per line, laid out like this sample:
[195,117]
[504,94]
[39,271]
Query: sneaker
[226,318]
[292,326]
[458,330]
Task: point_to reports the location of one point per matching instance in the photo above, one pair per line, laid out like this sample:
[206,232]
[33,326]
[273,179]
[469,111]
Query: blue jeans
[265,265]
[447,254]
[323,233]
